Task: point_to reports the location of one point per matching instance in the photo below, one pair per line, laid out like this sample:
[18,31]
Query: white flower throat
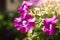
[24,7]
[50,26]
[24,23]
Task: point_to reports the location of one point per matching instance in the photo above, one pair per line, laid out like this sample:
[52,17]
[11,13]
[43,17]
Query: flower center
[24,23]
[50,26]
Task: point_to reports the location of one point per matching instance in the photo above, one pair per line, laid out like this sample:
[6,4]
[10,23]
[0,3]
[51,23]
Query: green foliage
[12,1]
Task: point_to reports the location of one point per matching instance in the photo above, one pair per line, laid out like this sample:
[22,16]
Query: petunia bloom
[25,23]
[37,2]
[50,26]
[25,7]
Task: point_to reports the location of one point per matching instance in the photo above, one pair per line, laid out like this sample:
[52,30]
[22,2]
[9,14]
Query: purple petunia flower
[25,23]
[50,26]
[37,2]
[25,7]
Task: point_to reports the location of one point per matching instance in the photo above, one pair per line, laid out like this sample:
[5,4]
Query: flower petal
[25,7]
[23,30]
[16,21]
[29,17]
